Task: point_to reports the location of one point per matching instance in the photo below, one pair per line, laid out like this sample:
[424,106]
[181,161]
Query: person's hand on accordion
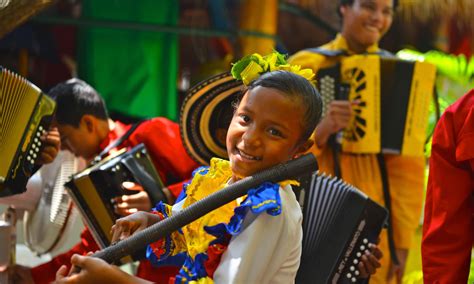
[338,117]
[128,204]
[370,261]
[51,145]
[127,226]
[140,201]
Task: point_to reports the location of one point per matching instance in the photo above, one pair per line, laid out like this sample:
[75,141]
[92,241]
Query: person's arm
[336,119]
[95,270]
[136,222]
[338,114]
[131,224]
[448,230]
[45,273]
[163,142]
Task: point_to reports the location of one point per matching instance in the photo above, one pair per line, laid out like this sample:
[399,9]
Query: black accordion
[394,97]
[339,222]
[93,189]
[25,114]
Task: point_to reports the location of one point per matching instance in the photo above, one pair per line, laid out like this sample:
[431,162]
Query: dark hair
[75,98]
[295,86]
[350,2]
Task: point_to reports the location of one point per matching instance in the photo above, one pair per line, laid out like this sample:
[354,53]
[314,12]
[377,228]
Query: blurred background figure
[47,223]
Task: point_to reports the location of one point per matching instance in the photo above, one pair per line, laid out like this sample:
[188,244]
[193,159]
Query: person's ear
[88,122]
[303,148]
[342,9]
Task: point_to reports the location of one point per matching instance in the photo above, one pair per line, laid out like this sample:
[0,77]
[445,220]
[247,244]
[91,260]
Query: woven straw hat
[206,114]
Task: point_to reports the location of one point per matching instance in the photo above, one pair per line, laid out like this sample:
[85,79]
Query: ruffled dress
[202,242]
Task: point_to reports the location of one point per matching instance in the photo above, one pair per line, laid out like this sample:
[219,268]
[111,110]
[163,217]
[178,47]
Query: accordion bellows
[339,222]
[93,189]
[25,114]
[393,97]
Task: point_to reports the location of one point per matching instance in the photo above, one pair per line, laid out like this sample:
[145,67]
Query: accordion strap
[437,114]
[388,204]
[336,150]
[339,52]
[153,188]
[386,193]
[117,142]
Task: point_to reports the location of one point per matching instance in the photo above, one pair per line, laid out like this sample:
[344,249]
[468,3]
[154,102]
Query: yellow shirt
[405,174]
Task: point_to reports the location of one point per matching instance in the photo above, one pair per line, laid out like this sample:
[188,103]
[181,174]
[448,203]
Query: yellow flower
[272,60]
[252,66]
[307,73]
[251,72]
[260,60]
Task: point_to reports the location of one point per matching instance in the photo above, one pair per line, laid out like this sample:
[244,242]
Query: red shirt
[448,230]
[163,142]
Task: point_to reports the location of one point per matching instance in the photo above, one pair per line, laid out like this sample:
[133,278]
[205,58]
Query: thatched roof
[15,12]
[425,10]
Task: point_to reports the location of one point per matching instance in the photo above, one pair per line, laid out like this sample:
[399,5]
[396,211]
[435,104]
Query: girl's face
[365,22]
[265,130]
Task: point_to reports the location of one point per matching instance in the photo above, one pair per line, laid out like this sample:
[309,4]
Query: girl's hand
[94,270]
[127,226]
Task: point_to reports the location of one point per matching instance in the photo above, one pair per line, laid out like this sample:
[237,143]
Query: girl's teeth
[247,156]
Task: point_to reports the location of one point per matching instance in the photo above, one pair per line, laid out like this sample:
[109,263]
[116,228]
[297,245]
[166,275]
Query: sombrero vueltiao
[206,114]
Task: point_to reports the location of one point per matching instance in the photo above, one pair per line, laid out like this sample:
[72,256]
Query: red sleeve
[46,273]
[163,142]
[160,275]
[448,230]
[176,188]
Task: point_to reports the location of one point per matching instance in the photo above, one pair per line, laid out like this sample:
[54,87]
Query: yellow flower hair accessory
[252,66]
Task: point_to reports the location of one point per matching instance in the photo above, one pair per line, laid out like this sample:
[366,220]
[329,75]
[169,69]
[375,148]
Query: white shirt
[268,249]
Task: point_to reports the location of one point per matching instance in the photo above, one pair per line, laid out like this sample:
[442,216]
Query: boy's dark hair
[75,98]
[350,2]
[295,86]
